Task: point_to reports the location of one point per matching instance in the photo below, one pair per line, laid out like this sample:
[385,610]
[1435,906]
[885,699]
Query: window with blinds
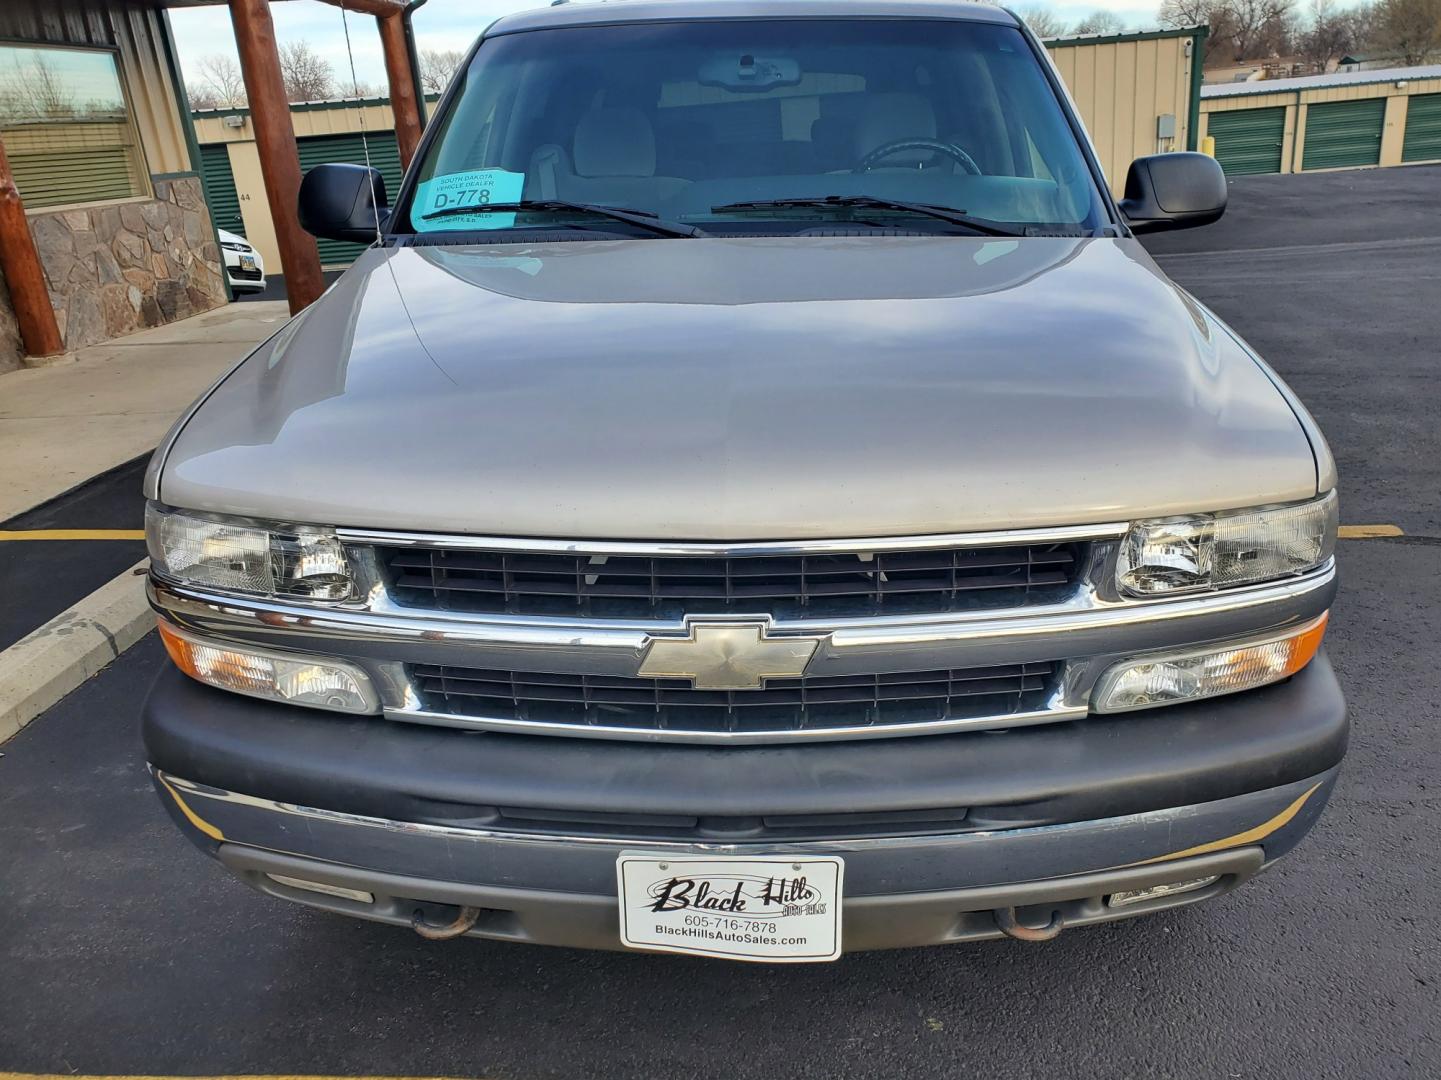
[67,127]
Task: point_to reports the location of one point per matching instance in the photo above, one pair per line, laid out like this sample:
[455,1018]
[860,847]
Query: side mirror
[1173,191]
[336,202]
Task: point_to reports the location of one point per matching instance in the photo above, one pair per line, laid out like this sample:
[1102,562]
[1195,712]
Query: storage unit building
[1422,136]
[324,131]
[1344,120]
[1344,134]
[1250,140]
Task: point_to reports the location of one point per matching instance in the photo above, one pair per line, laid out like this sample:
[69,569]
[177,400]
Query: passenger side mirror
[336,202]
[1173,191]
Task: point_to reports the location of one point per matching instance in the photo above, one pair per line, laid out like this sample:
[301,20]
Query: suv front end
[980,766]
[688,545]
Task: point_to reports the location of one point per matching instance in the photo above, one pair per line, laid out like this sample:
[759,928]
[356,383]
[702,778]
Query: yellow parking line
[1368,532]
[245,1076]
[71,534]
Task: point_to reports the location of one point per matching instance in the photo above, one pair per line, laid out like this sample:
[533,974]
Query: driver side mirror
[343,202]
[1173,191]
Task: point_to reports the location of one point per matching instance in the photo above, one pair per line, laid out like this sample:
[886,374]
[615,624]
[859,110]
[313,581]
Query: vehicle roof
[624,11]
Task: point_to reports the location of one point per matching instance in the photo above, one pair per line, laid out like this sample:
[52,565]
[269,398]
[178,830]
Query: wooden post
[24,275]
[402,86]
[275,141]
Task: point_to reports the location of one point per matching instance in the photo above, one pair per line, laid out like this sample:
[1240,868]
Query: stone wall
[116,269]
[11,352]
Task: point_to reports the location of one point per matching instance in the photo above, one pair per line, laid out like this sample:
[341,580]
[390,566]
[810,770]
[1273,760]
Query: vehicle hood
[734,389]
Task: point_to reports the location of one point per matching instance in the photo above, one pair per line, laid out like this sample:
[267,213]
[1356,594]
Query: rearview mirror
[343,202]
[1173,191]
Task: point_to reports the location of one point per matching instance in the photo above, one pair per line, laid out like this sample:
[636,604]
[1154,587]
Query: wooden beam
[24,275]
[402,86]
[275,141]
[379,8]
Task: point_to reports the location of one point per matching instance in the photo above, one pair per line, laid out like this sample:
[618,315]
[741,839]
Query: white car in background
[244,268]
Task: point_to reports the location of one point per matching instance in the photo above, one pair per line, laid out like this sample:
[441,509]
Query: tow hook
[462,924]
[1007,924]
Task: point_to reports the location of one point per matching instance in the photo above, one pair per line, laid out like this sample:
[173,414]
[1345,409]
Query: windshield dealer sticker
[768,909]
[439,201]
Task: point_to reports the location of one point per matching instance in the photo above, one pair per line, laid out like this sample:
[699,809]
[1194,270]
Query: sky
[449,24]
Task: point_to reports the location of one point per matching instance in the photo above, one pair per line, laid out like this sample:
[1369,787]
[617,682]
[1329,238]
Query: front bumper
[244,280]
[1055,818]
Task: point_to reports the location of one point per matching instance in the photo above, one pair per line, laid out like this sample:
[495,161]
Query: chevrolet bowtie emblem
[734,654]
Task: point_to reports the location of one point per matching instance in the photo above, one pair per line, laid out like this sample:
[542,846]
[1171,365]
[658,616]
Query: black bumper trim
[1099,767]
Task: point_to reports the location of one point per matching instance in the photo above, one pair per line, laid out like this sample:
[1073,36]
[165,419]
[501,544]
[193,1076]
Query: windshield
[758,125]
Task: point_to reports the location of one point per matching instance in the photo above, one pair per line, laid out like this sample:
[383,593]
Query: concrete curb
[44,666]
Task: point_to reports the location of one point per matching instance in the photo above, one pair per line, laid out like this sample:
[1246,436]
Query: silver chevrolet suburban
[754,497]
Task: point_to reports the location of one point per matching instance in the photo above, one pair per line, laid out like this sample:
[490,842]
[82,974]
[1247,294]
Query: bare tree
[1215,15]
[201,97]
[1100,21]
[1239,29]
[36,92]
[220,83]
[1044,22]
[363,89]
[1261,27]
[1409,28]
[308,75]
[1363,25]
[52,100]
[1327,35]
[437,66]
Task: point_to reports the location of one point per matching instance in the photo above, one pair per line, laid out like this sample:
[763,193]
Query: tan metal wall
[1121,89]
[136,34]
[1293,144]
[337,119]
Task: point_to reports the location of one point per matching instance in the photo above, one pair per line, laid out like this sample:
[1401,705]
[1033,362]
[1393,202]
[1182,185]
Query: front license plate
[247,262]
[769,909]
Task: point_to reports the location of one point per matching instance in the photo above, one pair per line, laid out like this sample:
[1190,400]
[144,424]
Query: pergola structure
[275,135]
[279,159]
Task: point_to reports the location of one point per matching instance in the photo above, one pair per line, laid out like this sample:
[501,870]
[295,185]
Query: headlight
[1216,551]
[290,678]
[1146,681]
[264,559]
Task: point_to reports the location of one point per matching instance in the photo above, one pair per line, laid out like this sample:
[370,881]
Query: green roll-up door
[220,191]
[1248,140]
[1342,134]
[1423,129]
[384,155]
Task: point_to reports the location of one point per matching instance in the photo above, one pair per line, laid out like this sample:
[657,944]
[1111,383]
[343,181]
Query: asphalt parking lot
[124,951]
[68,559]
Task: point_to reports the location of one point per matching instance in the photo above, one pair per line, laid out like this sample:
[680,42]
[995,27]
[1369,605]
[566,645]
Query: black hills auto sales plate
[777,909]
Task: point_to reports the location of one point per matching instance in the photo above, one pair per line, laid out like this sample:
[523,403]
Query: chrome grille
[808,704]
[856,584]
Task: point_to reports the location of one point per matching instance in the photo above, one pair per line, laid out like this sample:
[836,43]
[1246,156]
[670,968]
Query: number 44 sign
[440,201]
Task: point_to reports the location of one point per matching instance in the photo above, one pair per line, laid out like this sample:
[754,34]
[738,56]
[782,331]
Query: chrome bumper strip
[681,548]
[744,738]
[1082,627]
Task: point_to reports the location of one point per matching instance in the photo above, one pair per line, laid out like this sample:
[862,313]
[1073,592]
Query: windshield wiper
[873,202]
[643,218]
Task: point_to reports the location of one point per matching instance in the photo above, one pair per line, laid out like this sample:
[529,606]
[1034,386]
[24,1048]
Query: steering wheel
[950,150]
